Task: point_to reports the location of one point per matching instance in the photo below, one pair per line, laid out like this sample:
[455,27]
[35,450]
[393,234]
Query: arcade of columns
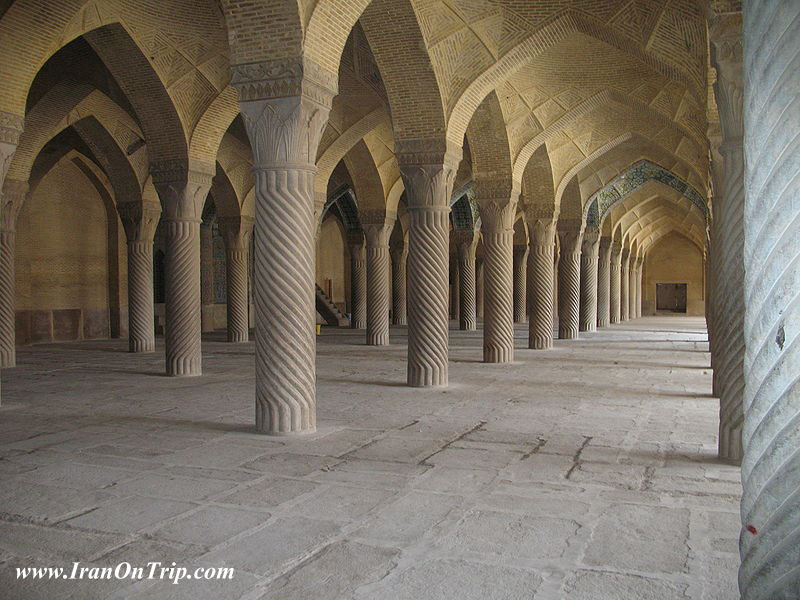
[567,172]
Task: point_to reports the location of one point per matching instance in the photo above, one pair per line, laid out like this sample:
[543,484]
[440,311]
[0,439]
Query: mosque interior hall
[400,299]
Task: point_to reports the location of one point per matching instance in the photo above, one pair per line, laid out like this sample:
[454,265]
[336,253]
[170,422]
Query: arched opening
[673,261]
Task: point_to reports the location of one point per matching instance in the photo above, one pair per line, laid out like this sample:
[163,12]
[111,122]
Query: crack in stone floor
[588,471]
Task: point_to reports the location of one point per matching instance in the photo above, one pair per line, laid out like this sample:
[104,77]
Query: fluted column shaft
[140,224]
[639,266]
[284,134]
[236,277]
[625,280]
[10,130]
[632,295]
[770,537]
[428,170]
[569,284]
[182,293]
[589,268]
[358,285]
[8,354]
[428,263]
[455,297]
[207,276]
[604,283]
[378,264]
[141,318]
[498,327]
[479,300]
[236,233]
[521,284]
[399,286]
[616,283]
[466,266]
[728,230]
[540,283]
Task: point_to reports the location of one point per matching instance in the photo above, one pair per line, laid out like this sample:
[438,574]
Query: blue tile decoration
[633,178]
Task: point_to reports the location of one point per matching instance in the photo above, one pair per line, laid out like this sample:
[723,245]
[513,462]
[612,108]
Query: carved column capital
[465,243]
[182,187]
[285,132]
[591,241]
[726,44]
[10,129]
[428,168]
[236,231]
[14,194]
[139,221]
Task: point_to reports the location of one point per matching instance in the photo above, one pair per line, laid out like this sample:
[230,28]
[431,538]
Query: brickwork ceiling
[584,88]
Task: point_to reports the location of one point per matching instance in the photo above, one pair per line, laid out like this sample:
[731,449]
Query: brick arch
[569,206]
[112,159]
[236,159]
[161,124]
[490,148]
[538,193]
[153,24]
[226,200]
[651,241]
[641,113]
[367,183]
[552,33]
[67,104]
[337,150]
[643,218]
[212,126]
[412,87]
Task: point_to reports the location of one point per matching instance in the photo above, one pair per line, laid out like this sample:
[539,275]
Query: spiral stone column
[479,301]
[542,232]
[10,130]
[284,134]
[589,272]
[616,282]
[236,233]
[140,222]
[378,264]
[604,283]
[770,538]
[455,296]
[399,256]
[428,169]
[569,283]
[497,230]
[632,287]
[466,242]
[13,197]
[520,284]
[728,227]
[638,285]
[358,281]
[556,259]
[183,192]
[625,281]
[207,275]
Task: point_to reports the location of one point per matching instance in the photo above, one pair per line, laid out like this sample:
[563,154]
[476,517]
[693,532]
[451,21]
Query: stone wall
[674,259]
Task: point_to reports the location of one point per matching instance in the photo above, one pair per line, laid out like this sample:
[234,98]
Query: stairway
[329,311]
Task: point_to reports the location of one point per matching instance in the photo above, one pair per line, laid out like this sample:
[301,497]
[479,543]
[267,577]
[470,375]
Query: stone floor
[584,472]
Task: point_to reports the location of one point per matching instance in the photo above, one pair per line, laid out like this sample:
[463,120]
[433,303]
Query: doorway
[671,297]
